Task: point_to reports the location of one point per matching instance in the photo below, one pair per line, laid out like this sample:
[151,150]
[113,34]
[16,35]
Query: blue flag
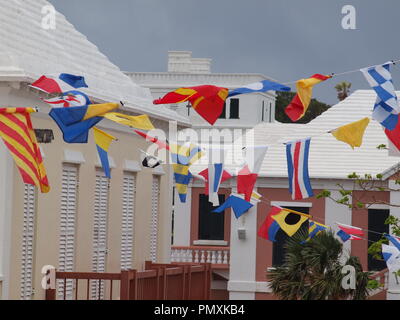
[261,86]
[238,205]
[75,122]
[74,81]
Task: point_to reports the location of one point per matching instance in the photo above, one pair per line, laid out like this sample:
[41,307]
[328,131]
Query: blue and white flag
[297,164]
[238,205]
[215,172]
[386,106]
[392,257]
[261,86]
[394,240]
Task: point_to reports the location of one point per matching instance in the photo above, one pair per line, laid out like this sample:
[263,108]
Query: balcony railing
[218,256]
[383,278]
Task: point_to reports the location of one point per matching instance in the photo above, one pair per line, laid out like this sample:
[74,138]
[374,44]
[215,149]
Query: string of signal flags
[75,115]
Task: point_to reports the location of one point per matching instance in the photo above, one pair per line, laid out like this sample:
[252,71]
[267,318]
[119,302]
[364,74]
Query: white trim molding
[132,166]
[291,204]
[72,156]
[210,243]
[110,161]
[249,286]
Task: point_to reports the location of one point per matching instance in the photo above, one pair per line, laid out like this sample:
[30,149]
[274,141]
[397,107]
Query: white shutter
[155,200]
[28,237]
[128,216]
[100,231]
[69,190]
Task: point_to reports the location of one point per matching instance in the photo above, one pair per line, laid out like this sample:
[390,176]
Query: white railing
[217,256]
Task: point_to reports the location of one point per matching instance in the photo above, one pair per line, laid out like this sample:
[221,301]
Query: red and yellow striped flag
[19,137]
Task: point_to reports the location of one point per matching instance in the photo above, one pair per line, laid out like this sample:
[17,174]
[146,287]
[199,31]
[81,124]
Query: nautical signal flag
[160,144]
[355,231]
[74,81]
[204,175]
[394,240]
[68,99]
[386,107]
[352,133]
[394,135]
[47,85]
[314,229]
[297,163]
[50,85]
[238,205]
[299,105]
[391,255]
[18,135]
[247,176]
[345,236]
[149,161]
[270,226]
[183,156]
[262,86]
[75,122]
[289,221]
[215,171]
[139,122]
[103,141]
[207,100]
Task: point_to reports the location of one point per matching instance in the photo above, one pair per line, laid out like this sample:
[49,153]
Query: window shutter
[69,190]
[155,192]
[28,238]
[100,232]
[128,216]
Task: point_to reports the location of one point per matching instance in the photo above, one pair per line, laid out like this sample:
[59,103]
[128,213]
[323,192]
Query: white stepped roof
[329,158]
[28,51]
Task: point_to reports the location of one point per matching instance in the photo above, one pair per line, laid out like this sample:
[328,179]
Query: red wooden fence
[156,282]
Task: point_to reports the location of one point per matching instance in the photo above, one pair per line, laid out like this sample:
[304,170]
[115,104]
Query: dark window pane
[211,224]
[223,114]
[376,222]
[234,109]
[278,250]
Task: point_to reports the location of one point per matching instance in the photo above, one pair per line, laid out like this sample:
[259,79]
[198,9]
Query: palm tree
[312,271]
[343,90]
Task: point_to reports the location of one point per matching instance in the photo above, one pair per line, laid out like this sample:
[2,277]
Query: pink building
[240,257]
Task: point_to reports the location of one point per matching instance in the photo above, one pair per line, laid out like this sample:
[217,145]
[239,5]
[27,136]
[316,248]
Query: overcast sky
[286,39]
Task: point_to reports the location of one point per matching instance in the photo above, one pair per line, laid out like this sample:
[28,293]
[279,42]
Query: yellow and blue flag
[314,229]
[75,122]
[183,156]
[103,141]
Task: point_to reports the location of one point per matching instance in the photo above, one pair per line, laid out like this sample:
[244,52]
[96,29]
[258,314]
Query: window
[376,223]
[128,216]
[234,109]
[155,204]
[211,224]
[100,217]
[223,114]
[28,242]
[278,249]
[69,193]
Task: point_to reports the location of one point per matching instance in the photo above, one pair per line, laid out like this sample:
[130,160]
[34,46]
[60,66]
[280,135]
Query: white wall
[182,219]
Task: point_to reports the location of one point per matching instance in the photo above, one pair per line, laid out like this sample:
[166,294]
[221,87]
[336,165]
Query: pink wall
[264,247]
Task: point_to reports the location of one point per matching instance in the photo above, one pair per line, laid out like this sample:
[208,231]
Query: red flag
[225,176]
[394,135]
[207,100]
[298,107]
[47,85]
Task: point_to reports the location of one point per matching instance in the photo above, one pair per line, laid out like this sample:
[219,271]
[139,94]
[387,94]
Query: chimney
[182,61]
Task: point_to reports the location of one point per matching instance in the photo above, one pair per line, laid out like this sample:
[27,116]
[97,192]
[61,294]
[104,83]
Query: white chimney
[182,61]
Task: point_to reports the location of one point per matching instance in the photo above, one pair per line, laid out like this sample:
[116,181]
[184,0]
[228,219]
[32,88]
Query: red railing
[217,256]
[383,278]
[157,282]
